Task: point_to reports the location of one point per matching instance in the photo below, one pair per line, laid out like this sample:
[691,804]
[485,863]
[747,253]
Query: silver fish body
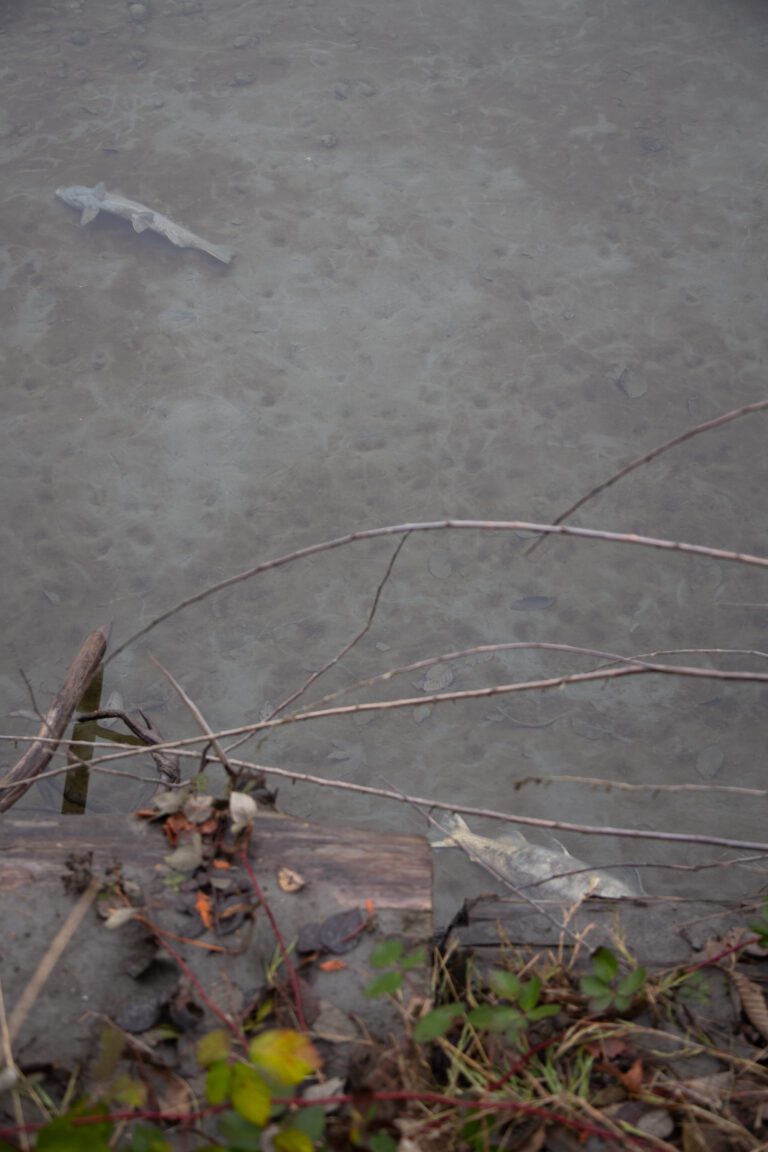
[524,864]
[91,201]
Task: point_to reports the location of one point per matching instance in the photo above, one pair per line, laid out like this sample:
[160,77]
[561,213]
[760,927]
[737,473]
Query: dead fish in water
[91,201]
[523,864]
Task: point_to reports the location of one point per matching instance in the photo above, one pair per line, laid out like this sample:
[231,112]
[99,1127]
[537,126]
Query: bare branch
[707,426]
[344,651]
[438,526]
[199,719]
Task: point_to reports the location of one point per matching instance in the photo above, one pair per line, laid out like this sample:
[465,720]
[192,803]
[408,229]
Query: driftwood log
[37,757]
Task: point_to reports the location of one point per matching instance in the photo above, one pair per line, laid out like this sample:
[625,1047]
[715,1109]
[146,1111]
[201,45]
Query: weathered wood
[39,754]
[659,933]
[387,877]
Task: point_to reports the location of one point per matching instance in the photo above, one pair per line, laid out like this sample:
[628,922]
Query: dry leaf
[223,864]
[632,1079]
[119,916]
[242,810]
[204,906]
[332,965]
[290,881]
[753,1002]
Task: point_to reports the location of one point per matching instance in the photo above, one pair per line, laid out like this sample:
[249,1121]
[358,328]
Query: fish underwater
[523,864]
[91,201]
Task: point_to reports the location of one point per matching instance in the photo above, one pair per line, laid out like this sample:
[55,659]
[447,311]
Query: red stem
[289,967]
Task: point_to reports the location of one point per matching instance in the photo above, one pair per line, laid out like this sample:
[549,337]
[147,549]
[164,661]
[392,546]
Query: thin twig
[180,748]
[9,1073]
[342,653]
[707,426]
[199,719]
[438,526]
[280,939]
[31,691]
[51,958]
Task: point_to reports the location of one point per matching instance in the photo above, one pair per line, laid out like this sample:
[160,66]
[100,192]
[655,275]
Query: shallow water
[487,254]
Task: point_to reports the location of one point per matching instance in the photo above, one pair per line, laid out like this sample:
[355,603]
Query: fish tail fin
[220,252]
[451,824]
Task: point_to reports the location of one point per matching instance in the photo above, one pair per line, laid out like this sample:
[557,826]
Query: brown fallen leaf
[204,906]
[289,880]
[752,1002]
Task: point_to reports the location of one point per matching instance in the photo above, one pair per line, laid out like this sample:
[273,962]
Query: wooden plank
[344,869]
[659,933]
[392,870]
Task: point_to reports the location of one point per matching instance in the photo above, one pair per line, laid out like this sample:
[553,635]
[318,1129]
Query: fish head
[76,195]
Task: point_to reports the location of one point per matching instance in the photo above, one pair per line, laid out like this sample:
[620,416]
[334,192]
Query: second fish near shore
[539,871]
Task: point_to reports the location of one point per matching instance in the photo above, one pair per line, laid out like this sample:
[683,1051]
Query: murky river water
[487,254]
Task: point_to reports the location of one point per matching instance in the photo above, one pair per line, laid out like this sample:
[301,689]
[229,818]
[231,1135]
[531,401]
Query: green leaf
[415,959]
[146,1138]
[602,1003]
[239,1134]
[214,1046]
[437,1022]
[217,1082]
[310,1120]
[631,984]
[63,1135]
[251,1098]
[495,1017]
[386,953]
[129,1091]
[388,982]
[591,986]
[529,995]
[543,1011]
[605,965]
[381,1142]
[505,984]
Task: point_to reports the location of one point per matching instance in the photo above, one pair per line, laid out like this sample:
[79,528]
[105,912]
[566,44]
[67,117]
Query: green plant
[392,956]
[606,988]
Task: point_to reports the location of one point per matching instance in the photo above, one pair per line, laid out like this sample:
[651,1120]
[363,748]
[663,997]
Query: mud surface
[487,254]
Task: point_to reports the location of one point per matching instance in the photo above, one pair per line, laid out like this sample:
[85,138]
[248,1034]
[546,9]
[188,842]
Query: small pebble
[138,12]
[329,141]
[157,102]
[79,37]
[243,79]
[242,42]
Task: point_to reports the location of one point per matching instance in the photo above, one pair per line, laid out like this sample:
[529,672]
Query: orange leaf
[332,965]
[632,1079]
[370,908]
[204,906]
[218,863]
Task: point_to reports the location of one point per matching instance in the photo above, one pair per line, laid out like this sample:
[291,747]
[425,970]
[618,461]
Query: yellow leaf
[284,1055]
[293,1140]
[213,1046]
[250,1096]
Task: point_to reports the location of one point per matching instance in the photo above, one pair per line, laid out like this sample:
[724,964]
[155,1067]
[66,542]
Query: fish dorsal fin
[99,190]
[512,836]
[142,220]
[89,214]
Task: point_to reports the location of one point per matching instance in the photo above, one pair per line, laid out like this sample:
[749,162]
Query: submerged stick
[707,426]
[441,526]
[39,754]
